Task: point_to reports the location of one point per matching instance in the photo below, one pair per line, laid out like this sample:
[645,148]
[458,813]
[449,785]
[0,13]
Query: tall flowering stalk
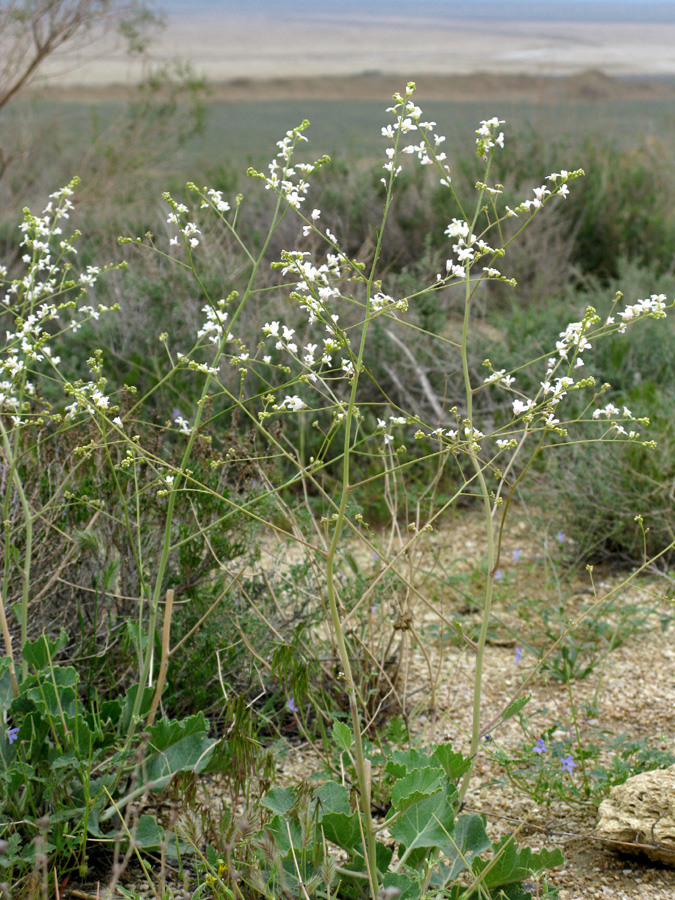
[319,374]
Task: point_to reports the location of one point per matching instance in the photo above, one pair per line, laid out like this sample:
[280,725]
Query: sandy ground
[241,45]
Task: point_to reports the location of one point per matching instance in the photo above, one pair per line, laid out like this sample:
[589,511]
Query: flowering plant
[314,367]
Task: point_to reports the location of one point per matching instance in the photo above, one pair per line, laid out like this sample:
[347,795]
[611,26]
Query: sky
[544,10]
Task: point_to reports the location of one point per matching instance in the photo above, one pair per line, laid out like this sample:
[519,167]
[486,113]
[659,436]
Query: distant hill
[654,11]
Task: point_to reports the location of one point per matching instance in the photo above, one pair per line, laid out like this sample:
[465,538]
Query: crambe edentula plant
[316,364]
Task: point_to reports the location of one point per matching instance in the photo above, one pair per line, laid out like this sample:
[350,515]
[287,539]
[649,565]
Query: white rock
[639,816]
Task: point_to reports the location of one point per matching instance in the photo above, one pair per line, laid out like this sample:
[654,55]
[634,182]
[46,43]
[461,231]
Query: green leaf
[341,829]
[415,786]
[176,746]
[41,652]
[279,829]
[406,887]
[383,855]
[454,764]
[53,700]
[342,736]
[6,686]
[514,708]
[332,798]
[426,823]
[510,866]
[110,711]
[397,731]
[468,839]
[404,761]
[148,835]
[279,800]
[128,706]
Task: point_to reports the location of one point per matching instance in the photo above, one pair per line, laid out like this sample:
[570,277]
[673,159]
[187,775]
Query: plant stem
[489,527]
[28,522]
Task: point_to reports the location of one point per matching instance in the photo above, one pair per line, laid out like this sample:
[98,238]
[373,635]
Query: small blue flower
[540,746]
[487,738]
[519,655]
[11,734]
[291,705]
[568,764]
[561,537]
[499,575]
[516,555]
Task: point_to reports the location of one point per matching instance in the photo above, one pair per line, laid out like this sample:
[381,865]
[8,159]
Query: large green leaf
[415,786]
[383,855]
[280,828]
[465,842]
[41,652]
[279,800]
[342,829]
[510,866]
[332,798]
[176,746]
[426,823]
[53,691]
[406,887]
[404,761]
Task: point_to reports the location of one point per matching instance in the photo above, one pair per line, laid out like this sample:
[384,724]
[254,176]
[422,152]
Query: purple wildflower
[516,555]
[540,746]
[568,764]
[519,655]
[499,575]
[561,537]
[12,734]
[291,704]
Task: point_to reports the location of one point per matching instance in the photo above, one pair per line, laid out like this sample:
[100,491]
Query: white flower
[520,407]
[294,403]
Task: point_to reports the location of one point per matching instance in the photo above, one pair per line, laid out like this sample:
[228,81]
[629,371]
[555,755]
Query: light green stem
[489,528]
[28,521]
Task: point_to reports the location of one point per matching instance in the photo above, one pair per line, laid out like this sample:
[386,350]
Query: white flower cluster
[37,231]
[654,307]
[284,341]
[560,189]
[216,200]
[408,115]
[487,136]
[28,343]
[573,339]
[500,377]
[281,175]
[214,326]
[610,411]
[388,437]
[188,230]
[89,398]
[467,247]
